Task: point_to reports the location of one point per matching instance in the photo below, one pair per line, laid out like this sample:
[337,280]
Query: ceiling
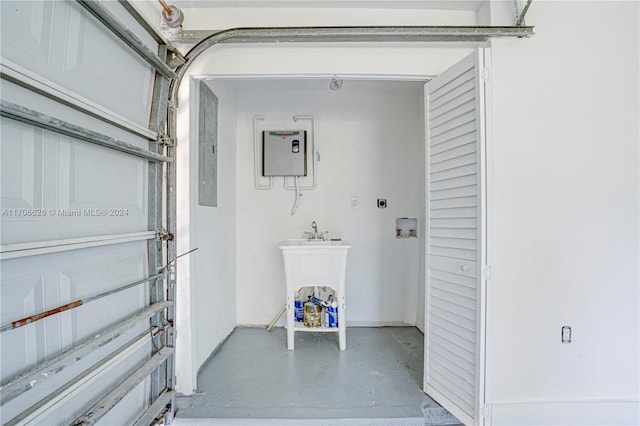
[259,85]
[466,5]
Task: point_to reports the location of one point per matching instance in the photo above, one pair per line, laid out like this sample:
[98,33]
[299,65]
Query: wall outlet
[566,334]
[382,203]
[355,202]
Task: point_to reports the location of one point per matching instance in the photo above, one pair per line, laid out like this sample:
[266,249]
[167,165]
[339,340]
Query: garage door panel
[82,190]
[21,167]
[64,277]
[55,382]
[87,55]
[81,394]
[19,95]
[19,295]
[93,177]
[122,15]
[35,284]
[127,410]
[88,279]
[32,24]
[87,65]
[86,395]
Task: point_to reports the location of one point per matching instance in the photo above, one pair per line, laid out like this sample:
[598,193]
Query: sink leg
[290,323]
[342,323]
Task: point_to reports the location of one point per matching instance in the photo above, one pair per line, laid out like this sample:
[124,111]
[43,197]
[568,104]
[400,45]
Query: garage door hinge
[165,140]
[175,58]
[487,272]
[163,135]
[163,235]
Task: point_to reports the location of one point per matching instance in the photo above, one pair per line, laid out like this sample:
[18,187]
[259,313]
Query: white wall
[241,17]
[565,215]
[370,140]
[206,293]
[565,193]
[214,298]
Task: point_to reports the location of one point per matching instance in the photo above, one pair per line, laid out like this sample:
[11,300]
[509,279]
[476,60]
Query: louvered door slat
[452,89]
[462,110]
[461,243]
[471,169]
[458,151]
[463,160]
[453,143]
[455,212]
[454,132]
[465,356]
[452,287]
[461,326]
[464,360]
[461,93]
[453,279]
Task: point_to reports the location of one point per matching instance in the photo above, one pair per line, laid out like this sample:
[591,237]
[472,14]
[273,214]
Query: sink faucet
[315,235]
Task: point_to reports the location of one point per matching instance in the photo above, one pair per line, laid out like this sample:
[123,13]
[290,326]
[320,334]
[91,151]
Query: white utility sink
[310,263]
[298,242]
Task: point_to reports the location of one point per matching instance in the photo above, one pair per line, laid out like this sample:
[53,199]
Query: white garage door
[86,306]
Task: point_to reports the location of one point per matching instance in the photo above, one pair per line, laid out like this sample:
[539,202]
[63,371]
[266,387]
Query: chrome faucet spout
[314,225]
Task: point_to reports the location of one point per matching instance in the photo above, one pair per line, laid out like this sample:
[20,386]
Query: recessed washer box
[284,153]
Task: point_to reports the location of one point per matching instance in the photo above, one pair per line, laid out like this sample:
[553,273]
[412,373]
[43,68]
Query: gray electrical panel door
[208,147]
[284,153]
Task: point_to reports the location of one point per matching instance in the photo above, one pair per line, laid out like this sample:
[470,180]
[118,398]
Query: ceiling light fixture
[335,84]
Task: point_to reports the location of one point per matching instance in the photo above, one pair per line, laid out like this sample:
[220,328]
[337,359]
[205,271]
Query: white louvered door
[454,346]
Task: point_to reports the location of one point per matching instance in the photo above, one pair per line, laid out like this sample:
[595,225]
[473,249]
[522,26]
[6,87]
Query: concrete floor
[253,379]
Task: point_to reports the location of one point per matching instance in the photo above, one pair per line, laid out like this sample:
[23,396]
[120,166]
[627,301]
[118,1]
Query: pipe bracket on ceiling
[520,14]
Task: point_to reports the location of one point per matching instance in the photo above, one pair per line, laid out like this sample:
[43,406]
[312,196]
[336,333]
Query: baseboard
[300,422]
[349,324]
[597,412]
[378,324]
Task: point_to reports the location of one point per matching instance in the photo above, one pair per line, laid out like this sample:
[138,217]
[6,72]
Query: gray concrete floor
[253,379]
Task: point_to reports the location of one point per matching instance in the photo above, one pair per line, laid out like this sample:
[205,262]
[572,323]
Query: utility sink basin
[292,243]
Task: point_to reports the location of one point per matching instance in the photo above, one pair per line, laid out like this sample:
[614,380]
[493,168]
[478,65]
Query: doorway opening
[370,136]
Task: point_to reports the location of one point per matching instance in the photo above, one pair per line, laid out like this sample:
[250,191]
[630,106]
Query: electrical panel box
[284,153]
